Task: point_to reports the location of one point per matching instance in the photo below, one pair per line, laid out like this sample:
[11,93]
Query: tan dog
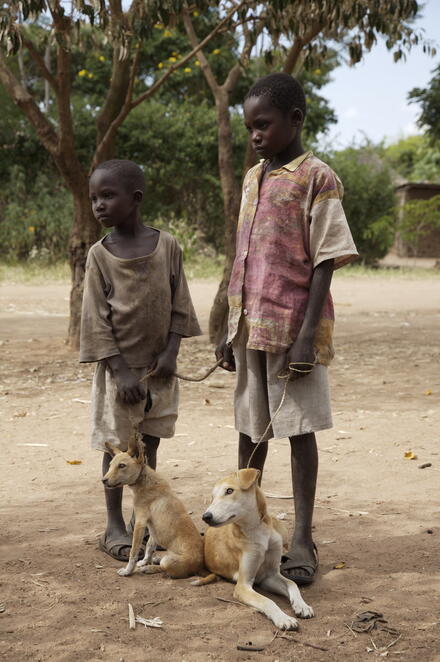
[155,506]
[244,543]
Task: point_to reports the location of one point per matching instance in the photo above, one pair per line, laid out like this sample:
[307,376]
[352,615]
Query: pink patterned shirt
[288,225]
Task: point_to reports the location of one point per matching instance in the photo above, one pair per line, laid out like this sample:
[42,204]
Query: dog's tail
[205,579]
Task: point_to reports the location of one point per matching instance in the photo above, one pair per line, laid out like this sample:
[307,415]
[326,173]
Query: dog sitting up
[156,506]
[244,544]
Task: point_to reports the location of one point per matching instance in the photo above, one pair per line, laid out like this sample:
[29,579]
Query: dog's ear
[113,450]
[247,478]
[136,448]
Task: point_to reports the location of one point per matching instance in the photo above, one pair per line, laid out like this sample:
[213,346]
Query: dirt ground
[377,513]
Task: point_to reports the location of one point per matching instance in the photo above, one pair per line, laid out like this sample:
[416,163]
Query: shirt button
[245,312]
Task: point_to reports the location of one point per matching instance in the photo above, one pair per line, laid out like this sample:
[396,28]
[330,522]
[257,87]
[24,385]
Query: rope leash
[186,378]
[286,376]
[291,368]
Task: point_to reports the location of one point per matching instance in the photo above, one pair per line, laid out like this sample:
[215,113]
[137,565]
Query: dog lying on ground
[156,506]
[244,544]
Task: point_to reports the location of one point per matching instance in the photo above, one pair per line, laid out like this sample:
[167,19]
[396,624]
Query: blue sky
[370,99]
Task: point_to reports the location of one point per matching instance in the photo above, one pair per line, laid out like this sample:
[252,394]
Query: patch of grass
[406,273]
[201,266]
[206,267]
[34,272]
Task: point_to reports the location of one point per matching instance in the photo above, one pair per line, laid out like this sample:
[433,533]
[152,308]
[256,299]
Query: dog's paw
[285,622]
[303,610]
[124,572]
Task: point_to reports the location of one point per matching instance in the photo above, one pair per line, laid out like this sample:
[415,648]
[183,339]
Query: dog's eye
[229,490]
[121,465]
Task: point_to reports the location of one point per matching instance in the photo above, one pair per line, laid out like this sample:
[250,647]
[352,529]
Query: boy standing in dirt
[292,233]
[136,308]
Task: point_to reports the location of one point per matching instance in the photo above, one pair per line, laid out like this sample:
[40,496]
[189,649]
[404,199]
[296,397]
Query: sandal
[288,564]
[114,548]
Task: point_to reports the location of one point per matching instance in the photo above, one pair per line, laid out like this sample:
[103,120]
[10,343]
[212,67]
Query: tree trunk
[231,204]
[85,231]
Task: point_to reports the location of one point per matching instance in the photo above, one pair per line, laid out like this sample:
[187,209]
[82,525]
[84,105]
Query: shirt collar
[292,165]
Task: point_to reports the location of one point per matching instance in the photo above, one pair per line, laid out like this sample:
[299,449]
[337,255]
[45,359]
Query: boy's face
[271,130]
[112,201]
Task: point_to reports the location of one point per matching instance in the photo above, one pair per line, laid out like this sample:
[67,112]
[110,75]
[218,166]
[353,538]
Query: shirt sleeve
[183,316]
[330,236]
[96,340]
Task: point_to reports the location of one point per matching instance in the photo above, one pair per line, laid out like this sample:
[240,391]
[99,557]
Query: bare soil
[377,513]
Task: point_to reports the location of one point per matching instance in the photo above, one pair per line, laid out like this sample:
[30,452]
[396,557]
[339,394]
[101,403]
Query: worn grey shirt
[131,305]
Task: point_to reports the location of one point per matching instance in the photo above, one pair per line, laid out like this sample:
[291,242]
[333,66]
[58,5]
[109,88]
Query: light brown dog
[244,544]
[156,506]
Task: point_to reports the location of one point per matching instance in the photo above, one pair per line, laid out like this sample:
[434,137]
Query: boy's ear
[113,450]
[297,117]
[248,477]
[138,196]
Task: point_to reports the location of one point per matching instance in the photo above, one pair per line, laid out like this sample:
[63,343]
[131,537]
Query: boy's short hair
[130,173]
[283,90]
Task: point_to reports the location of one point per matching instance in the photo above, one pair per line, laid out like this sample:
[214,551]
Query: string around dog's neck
[139,478]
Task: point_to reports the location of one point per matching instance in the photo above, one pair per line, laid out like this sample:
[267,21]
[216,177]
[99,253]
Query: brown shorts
[112,419]
[259,390]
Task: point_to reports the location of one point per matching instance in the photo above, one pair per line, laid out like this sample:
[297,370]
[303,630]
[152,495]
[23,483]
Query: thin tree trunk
[85,231]
[231,205]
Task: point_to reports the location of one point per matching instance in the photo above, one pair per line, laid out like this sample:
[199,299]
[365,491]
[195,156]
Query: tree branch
[250,39]
[194,41]
[291,62]
[21,97]
[39,61]
[128,107]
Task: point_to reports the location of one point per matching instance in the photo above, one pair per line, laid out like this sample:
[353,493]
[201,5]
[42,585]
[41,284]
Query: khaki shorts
[112,420]
[259,390]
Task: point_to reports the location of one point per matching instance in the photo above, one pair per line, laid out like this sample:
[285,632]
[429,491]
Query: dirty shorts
[259,390]
[110,416]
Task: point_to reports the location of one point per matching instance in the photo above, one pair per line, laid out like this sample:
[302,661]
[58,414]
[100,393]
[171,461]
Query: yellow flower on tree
[89,75]
[197,63]
[187,70]
[196,13]
[160,65]
[216,51]
[82,72]
[167,33]
[101,58]
[172,59]
[31,229]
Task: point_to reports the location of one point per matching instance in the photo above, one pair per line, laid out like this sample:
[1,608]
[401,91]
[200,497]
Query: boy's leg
[151,445]
[115,540]
[246,448]
[301,563]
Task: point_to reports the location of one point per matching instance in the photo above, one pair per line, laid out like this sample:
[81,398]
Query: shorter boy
[292,233]
[136,308]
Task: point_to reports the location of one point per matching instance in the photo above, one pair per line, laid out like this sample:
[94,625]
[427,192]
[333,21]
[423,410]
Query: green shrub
[368,199]
[417,219]
[35,218]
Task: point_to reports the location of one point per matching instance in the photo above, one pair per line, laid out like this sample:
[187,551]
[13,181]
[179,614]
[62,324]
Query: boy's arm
[302,351]
[166,362]
[130,389]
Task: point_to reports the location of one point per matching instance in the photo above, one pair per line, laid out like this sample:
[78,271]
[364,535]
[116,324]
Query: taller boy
[292,233]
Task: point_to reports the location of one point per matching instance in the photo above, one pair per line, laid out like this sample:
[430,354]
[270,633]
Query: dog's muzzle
[208,517]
